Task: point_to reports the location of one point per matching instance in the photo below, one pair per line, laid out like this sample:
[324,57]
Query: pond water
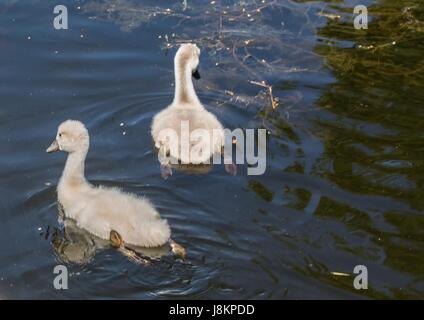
[345,150]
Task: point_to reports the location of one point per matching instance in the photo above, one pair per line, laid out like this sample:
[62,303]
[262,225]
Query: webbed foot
[165,171]
[231,169]
[136,258]
[115,239]
[178,250]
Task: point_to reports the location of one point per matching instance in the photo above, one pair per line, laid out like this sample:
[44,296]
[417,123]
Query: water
[343,185]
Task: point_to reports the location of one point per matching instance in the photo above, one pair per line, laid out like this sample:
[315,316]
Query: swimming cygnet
[187,112]
[108,213]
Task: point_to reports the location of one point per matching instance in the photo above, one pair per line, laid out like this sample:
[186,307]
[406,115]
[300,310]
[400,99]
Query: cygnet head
[72,136]
[187,56]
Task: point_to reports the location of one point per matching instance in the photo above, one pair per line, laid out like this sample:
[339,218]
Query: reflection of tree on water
[372,129]
[378,97]
[370,124]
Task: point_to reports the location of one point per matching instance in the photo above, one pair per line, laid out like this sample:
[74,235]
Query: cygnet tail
[155,233]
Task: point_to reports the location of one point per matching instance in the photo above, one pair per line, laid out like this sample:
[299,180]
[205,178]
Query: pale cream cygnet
[101,210]
[186,111]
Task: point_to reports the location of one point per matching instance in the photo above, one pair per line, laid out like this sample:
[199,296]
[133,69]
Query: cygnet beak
[53,147]
[196,74]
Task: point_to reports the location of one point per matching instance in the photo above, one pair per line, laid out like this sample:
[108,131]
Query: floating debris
[376,47]
[331,16]
[127,14]
[274,101]
[340,274]
[238,40]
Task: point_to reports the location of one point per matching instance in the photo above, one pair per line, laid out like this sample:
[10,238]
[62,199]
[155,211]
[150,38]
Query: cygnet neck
[184,88]
[74,171]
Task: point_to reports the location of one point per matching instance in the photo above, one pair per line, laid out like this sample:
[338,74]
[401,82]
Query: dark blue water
[343,185]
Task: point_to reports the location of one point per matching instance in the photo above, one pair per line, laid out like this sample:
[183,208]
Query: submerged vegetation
[251,39]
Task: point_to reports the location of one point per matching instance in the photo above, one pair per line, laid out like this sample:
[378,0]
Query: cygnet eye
[60,135]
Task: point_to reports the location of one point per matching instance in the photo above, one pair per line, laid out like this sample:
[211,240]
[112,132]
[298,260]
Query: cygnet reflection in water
[75,245]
